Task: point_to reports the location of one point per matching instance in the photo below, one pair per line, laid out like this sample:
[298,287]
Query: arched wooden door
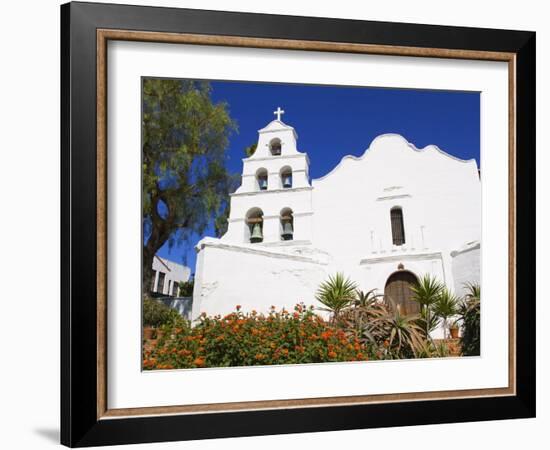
[398,289]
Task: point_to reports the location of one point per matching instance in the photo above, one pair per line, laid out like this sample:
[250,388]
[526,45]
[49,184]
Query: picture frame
[86,418]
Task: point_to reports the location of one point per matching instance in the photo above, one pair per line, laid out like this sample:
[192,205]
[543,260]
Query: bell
[256,235]
[263,184]
[287,231]
[287,181]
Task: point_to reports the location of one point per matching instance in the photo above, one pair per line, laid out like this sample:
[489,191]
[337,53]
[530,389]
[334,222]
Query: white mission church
[383,219]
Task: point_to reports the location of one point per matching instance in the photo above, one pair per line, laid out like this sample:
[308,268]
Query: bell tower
[273,204]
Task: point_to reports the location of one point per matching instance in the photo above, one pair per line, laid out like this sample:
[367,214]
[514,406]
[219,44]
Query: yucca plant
[445,307]
[427,321]
[426,292]
[336,293]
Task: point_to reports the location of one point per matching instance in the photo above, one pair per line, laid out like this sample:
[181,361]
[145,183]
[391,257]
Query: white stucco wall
[255,277]
[466,267]
[342,224]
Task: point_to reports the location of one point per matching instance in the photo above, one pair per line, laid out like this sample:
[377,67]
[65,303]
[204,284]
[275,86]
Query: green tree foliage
[185,183]
[157,314]
[469,312]
[250,150]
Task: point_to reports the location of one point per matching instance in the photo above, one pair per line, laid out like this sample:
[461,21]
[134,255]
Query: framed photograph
[276,224]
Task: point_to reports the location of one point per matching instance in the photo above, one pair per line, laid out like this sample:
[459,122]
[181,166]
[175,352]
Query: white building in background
[383,219]
[168,275]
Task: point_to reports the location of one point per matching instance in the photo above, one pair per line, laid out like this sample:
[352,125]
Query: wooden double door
[398,289]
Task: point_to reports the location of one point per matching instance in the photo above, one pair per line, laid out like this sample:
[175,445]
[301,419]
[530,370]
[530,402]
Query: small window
[261,179]
[287,225]
[275,147]
[397,227]
[175,288]
[160,286]
[286,177]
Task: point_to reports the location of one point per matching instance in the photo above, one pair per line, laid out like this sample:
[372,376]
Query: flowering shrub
[248,339]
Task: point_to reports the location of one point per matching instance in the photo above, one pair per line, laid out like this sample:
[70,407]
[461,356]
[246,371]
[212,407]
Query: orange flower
[332,354]
[199,361]
[259,356]
[326,335]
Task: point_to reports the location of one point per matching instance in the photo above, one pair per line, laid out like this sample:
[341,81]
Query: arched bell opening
[287,224]
[286,177]
[254,226]
[261,179]
[275,147]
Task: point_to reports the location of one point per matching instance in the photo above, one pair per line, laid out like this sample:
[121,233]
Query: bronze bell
[288,232]
[287,181]
[256,235]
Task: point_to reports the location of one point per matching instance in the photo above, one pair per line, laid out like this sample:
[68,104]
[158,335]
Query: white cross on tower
[278,113]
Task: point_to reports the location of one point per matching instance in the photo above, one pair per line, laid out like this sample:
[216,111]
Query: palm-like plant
[427,321]
[445,307]
[336,293]
[426,292]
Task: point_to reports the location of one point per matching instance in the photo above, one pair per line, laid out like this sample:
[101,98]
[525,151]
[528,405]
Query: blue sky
[334,121]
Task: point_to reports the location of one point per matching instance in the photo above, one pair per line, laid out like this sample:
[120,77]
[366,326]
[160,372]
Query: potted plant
[453,329]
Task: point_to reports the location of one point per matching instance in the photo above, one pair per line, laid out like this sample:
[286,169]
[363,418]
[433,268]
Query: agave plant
[405,337]
[336,293]
[360,317]
[445,307]
[365,299]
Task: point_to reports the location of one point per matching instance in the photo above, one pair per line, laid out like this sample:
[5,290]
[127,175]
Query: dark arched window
[397,227]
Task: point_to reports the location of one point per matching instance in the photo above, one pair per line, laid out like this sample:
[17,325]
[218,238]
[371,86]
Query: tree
[445,307]
[185,183]
[426,292]
[250,150]
[469,312]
